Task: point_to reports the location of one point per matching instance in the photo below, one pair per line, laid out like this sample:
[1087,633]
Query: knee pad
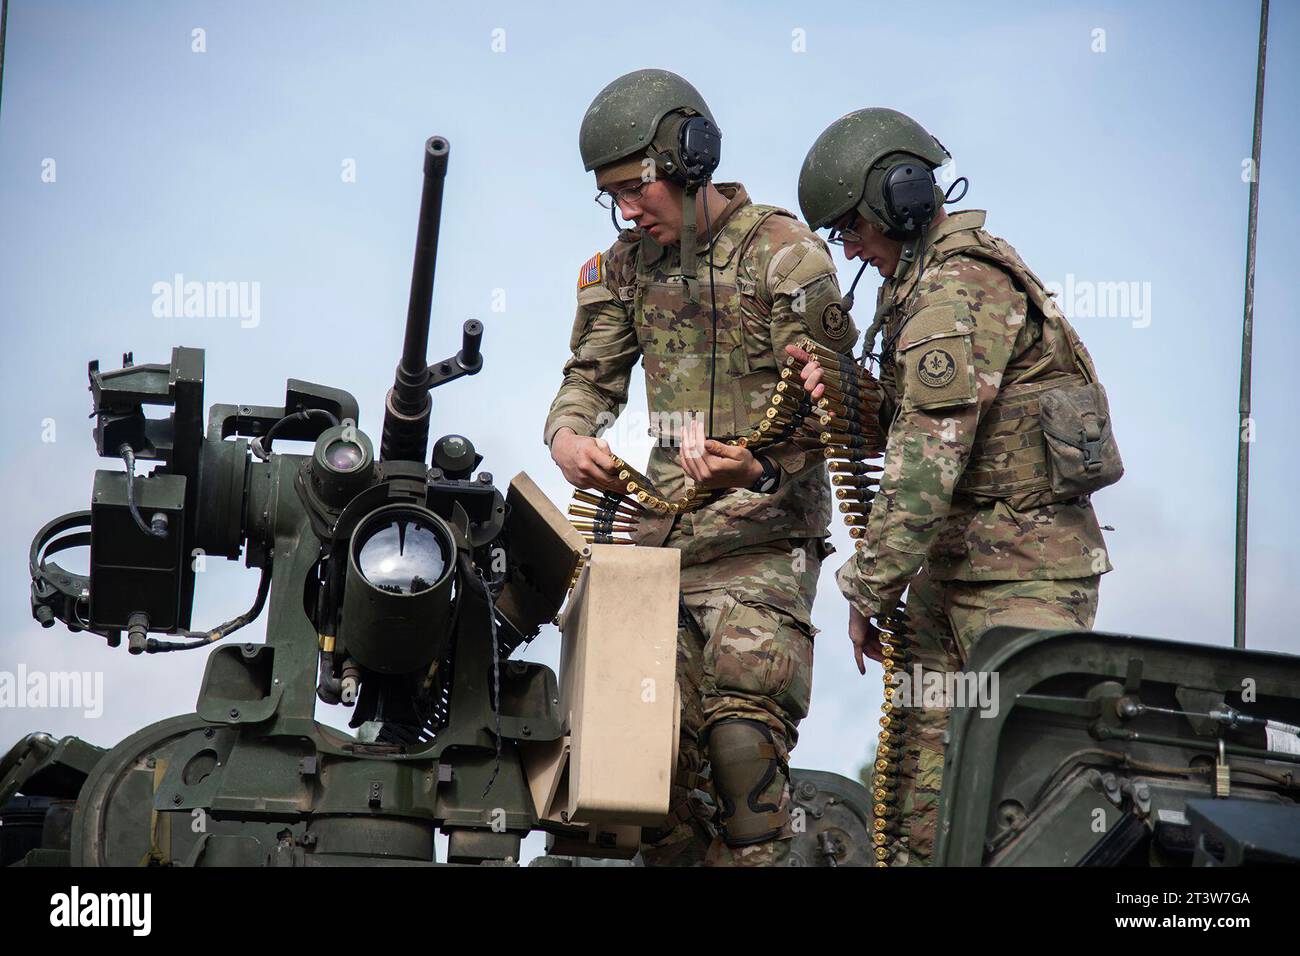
[745,762]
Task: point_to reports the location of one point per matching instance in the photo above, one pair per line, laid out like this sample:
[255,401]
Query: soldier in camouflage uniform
[965,517]
[750,556]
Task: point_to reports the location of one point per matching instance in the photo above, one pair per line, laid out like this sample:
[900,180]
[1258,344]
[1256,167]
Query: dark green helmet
[623,118]
[846,167]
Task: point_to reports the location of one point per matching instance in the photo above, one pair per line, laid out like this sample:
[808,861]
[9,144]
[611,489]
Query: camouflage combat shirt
[773,282]
[973,312]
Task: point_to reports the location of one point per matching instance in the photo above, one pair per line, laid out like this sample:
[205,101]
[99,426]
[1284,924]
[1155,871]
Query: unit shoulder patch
[835,321]
[936,368]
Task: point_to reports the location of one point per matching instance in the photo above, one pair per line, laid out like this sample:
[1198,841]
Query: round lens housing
[399,589]
[342,464]
[345,455]
[401,554]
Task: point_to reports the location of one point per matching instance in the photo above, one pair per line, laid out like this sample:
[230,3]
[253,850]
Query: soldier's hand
[811,373]
[585,462]
[713,464]
[865,638]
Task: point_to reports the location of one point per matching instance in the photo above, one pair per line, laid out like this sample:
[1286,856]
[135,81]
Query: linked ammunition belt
[844,424]
[853,439]
[887,813]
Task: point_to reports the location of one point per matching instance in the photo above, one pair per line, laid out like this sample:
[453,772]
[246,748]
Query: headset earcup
[908,191]
[699,148]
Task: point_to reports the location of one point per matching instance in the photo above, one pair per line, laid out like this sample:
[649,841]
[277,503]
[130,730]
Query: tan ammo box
[618,698]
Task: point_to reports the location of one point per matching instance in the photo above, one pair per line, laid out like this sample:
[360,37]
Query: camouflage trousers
[945,619]
[744,650]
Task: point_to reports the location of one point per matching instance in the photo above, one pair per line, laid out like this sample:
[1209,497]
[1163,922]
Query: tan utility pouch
[1082,455]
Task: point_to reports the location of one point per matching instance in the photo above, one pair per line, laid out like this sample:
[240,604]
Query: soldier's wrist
[559,436]
[868,609]
[764,475]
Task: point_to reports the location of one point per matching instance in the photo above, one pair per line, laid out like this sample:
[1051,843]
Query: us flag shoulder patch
[589,274]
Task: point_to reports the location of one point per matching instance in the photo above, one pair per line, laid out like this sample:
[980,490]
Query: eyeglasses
[628,194]
[839,236]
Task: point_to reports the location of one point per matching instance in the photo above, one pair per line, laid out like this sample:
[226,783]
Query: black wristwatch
[769,480]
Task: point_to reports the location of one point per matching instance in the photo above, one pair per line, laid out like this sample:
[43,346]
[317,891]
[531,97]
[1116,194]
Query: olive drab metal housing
[1110,750]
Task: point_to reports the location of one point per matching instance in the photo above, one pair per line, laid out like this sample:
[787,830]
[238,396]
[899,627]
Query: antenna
[1244,425]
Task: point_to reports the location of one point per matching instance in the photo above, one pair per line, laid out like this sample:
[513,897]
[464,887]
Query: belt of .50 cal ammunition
[886,811]
[844,423]
[610,518]
[853,438]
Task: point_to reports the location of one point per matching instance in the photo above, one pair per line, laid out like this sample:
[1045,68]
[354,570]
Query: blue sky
[1100,166]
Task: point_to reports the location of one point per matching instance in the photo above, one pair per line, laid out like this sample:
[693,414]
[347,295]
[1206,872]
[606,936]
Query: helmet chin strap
[914,251]
[911,247]
[690,231]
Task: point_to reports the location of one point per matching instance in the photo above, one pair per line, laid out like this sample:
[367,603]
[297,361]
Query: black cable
[713,304]
[300,415]
[204,638]
[847,303]
[947,194]
[920,270]
[234,624]
[128,456]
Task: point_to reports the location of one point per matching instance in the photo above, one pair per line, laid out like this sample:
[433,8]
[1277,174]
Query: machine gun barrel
[406,415]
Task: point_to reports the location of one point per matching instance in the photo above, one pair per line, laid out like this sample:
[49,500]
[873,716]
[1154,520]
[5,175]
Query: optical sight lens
[344,455]
[402,556]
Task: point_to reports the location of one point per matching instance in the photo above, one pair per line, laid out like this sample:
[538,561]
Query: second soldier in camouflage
[982,513]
